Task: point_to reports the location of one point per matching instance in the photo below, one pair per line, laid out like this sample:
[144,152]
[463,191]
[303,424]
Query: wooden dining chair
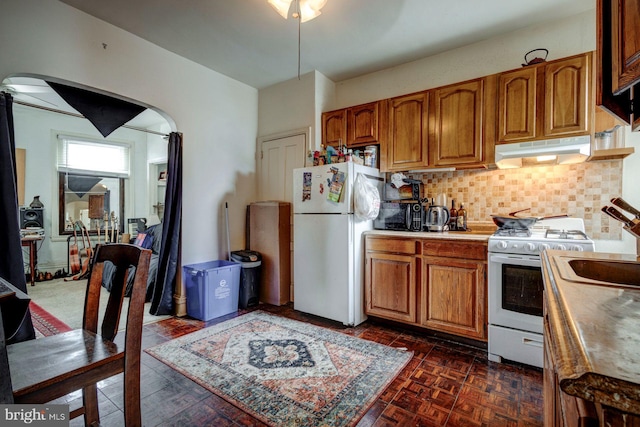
[51,367]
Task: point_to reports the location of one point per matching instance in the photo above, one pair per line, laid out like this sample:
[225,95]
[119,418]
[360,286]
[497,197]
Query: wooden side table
[31,243]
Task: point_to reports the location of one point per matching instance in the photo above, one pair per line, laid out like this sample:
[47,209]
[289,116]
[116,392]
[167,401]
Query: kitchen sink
[613,272]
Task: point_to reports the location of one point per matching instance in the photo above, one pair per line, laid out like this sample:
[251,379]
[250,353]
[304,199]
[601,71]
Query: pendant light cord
[299,25]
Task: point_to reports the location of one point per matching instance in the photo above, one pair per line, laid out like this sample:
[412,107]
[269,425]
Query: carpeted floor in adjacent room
[65,300]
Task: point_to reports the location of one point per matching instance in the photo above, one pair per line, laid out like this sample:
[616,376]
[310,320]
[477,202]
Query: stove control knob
[530,247]
[560,247]
[501,244]
[543,246]
[577,248]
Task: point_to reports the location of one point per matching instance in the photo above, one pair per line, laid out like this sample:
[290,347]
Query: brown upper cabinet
[334,128]
[354,126]
[456,130]
[517,105]
[567,96]
[618,58]
[546,100]
[407,146]
[439,128]
[363,124]
[625,61]
[458,125]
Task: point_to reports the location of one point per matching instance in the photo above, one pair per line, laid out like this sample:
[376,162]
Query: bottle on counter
[453,216]
[462,218]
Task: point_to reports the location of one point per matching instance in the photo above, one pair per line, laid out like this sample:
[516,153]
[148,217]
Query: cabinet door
[334,128]
[517,105]
[618,105]
[456,134]
[567,96]
[625,61]
[453,297]
[362,125]
[408,127]
[390,286]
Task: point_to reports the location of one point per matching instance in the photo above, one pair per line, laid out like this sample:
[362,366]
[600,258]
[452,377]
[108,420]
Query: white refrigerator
[328,257]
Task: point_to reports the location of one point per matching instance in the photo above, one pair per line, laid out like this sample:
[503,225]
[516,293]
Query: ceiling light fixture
[303,11]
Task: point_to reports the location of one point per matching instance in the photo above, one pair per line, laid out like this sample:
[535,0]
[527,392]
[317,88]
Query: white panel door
[280,157]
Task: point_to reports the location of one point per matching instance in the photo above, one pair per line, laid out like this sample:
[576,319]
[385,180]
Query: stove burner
[566,234]
[513,232]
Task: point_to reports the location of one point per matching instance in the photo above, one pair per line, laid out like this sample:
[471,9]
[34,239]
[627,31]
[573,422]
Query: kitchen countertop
[477,231]
[595,331]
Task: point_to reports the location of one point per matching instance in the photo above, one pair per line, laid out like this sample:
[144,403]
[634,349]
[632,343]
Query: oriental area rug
[285,372]
[45,323]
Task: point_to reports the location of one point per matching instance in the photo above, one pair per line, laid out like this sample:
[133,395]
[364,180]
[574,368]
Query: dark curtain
[17,320]
[104,112]
[162,296]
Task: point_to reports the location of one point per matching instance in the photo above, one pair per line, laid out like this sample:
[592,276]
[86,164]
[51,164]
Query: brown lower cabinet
[453,296]
[437,284]
[392,265]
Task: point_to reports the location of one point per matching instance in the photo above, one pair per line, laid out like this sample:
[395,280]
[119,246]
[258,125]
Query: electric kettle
[437,218]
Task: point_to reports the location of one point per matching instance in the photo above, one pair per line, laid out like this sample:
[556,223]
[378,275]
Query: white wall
[630,193]
[325,97]
[217,115]
[562,38]
[287,106]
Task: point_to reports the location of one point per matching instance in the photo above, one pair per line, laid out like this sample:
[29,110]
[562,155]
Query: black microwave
[399,216]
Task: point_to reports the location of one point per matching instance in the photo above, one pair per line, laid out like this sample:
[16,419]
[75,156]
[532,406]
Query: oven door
[515,291]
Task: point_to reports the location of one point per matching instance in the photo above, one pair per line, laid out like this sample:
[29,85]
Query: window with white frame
[92,176]
[93,156]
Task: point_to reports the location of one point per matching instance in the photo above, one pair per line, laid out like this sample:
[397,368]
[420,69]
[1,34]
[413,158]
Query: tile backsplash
[579,190]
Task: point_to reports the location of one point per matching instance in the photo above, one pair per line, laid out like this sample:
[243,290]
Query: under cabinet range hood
[560,151]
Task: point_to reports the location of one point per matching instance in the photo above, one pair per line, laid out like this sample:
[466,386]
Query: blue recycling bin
[212,288]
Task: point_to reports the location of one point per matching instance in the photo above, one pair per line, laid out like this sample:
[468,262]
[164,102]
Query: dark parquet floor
[445,384]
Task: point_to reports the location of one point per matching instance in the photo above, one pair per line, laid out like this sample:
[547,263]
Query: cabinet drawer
[513,344]
[396,246]
[455,249]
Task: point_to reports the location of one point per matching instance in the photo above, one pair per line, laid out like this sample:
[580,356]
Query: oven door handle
[515,260]
[532,342]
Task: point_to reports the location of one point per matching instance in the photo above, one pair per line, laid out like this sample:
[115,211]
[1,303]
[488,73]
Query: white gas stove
[515,285]
[565,234]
